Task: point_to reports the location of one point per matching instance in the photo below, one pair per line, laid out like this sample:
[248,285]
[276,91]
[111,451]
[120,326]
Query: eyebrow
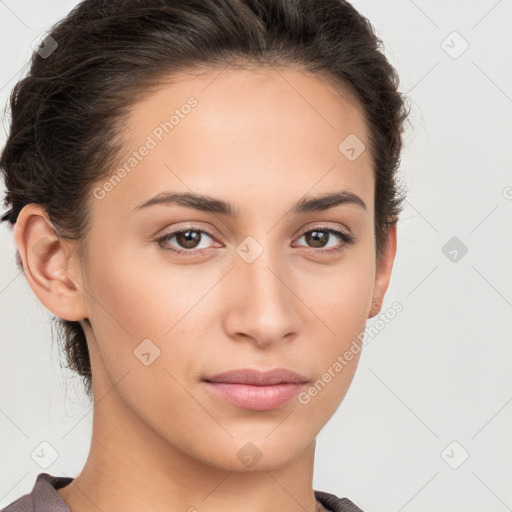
[206,203]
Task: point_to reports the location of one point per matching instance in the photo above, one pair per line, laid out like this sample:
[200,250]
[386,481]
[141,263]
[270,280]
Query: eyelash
[345,237]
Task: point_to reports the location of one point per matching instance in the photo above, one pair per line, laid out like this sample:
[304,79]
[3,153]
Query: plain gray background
[434,386]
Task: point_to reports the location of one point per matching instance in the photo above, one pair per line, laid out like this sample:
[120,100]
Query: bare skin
[161,440]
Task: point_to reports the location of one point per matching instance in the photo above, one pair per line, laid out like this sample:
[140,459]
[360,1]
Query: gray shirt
[44,498]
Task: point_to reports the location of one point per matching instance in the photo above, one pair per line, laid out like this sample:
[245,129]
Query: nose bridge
[261,270]
[264,296]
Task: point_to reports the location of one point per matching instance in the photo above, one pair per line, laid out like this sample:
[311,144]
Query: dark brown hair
[65,132]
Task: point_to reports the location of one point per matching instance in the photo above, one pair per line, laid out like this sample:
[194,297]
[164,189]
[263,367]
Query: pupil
[186,240]
[314,237]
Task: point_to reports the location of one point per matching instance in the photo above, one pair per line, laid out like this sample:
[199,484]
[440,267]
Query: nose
[263,306]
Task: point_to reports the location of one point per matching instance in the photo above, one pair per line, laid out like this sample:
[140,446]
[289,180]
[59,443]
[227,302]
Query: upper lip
[258,378]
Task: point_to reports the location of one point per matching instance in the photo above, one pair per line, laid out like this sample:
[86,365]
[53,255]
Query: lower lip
[257,398]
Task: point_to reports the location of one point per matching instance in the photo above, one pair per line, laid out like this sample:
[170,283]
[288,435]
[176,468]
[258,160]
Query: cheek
[342,310]
[341,295]
[136,317]
[133,301]
[141,297]
[341,302]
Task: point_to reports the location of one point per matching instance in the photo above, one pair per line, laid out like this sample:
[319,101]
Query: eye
[188,240]
[319,237]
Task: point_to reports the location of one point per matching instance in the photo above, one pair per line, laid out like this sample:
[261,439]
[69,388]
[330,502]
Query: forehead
[238,102]
[274,132]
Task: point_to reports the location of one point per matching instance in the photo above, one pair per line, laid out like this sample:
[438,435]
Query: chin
[256,451]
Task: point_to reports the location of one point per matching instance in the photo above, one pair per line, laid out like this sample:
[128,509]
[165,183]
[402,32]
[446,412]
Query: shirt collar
[45,496]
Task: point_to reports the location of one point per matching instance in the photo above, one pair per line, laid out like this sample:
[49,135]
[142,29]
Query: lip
[256,390]
[259,378]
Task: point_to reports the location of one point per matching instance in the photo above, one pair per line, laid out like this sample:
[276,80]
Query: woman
[204,194]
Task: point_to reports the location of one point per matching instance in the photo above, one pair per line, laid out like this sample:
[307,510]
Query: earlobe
[383,274]
[47,264]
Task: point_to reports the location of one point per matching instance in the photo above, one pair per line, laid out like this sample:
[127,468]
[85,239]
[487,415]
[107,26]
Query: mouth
[255,390]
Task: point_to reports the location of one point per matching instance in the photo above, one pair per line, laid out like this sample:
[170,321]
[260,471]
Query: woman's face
[263,286]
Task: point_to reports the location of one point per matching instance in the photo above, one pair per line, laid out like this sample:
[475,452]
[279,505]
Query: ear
[383,273]
[48,264]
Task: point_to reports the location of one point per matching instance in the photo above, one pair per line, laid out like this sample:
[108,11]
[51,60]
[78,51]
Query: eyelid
[190,226]
[322,225]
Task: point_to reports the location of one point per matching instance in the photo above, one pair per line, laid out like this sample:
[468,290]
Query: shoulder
[22,504]
[43,497]
[335,504]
